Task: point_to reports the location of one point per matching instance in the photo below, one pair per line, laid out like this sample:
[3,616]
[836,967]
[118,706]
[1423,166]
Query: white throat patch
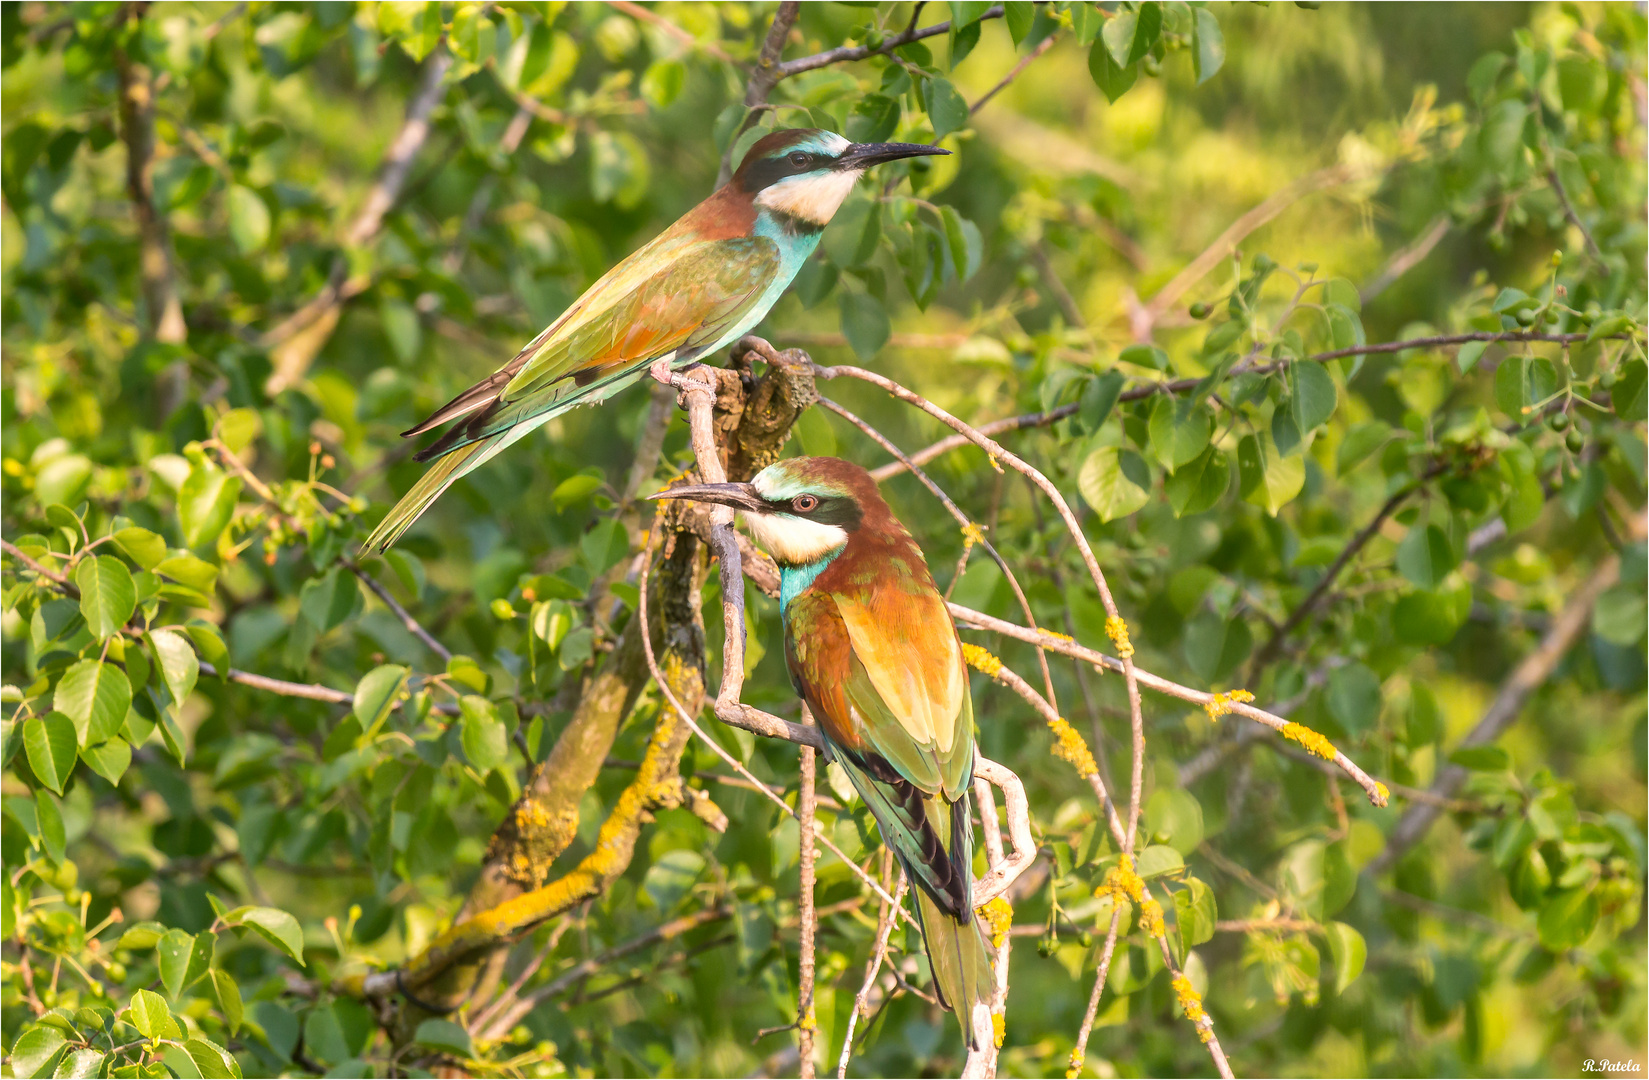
[811,197]
[794,541]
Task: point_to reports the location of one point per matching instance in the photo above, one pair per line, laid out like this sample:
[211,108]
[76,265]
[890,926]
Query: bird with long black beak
[872,650]
[696,288]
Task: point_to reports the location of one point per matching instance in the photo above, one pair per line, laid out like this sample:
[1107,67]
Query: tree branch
[807,1024]
[399,612]
[1569,212]
[163,309]
[849,53]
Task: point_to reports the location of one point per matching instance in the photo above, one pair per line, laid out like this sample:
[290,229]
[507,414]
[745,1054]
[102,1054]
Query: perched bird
[874,653]
[697,287]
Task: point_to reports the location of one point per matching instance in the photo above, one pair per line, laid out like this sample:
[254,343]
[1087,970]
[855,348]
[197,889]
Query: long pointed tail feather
[961,961]
[429,487]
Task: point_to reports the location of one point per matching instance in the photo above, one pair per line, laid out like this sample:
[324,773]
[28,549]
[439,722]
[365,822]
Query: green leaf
[172,954]
[864,323]
[95,696]
[1198,486]
[1207,46]
[248,220]
[213,1061]
[1567,918]
[574,490]
[1099,397]
[1312,395]
[1619,616]
[671,876]
[205,503]
[84,1062]
[110,760]
[1112,79]
[275,925]
[50,744]
[153,1020]
[1195,913]
[1426,617]
[1129,35]
[1019,15]
[1467,356]
[1157,860]
[1425,556]
[481,731]
[36,1050]
[1174,816]
[1354,697]
[1115,482]
[1522,382]
[53,836]
[376,695]
[1349,951]
[330,600]
[947,111]
[662,82]
[1215,646]
[141,546]
[817,437]
[1179,431]
[1268,479]
[229,1000]
[445,1036]
[1148,356]
[107,595]
[179,666]
[1630,394]
[604,546]
[1359,442]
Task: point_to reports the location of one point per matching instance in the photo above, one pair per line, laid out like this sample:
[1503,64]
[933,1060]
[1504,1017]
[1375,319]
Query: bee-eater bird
[696,288]
[873,652]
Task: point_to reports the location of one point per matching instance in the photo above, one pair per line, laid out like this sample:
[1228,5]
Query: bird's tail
[435,480]
[961,961]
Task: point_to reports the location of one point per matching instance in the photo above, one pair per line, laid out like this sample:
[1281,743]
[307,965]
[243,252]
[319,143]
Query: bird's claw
[750,343]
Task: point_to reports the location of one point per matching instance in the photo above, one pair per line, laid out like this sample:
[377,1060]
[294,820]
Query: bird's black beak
[738,496]
[864,155]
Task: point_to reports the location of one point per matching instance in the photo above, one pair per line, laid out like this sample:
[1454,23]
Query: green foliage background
[256,844]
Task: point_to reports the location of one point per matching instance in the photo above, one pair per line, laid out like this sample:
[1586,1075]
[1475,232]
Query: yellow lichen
[972,534]
[1150,918]
[981,660]
[1309,739]
[1057,636]
[999,1029]
[1122,883]
[1383,791]
[1191,1002]
[1220,704]
[1070,746]
[998,915]
[1074,1068]
[1117,630]
[531,815]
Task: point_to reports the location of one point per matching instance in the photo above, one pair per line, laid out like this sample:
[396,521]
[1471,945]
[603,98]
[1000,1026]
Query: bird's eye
[804,503]
[800,160]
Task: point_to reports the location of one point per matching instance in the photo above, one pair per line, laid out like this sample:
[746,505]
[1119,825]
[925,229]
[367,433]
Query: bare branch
[1042,46]
[861,1003]
[807,1024]
[1569,212]
[398,611]
[769,70]
[1406,259]
[849,53]
[163,309]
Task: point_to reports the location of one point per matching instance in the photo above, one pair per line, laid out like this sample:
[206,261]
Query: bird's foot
[660,371]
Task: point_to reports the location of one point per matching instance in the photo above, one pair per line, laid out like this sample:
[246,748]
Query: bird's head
[800,510]
[805,173]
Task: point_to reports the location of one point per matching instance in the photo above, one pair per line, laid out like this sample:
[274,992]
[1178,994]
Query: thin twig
[807,1024]
[636,11]
[861,1003]
[1569,212]
[1042,46]
[848,53]
[399,612]
[1406,259]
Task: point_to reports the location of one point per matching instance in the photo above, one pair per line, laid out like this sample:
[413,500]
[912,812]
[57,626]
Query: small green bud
[67,875]
[1151,66]
[1264,263]
[1557,258]
[1045,945]
[1552,315]
[1199,310]
[1558,421]
[1527,317]
[502,609]
[1086,938]
[1608,379]
[1575,441]
[116,972]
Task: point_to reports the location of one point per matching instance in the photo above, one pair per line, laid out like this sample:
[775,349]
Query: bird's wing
[911,778]
[672,296]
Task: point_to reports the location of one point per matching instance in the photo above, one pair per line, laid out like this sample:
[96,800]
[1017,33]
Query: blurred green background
[1394,163]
